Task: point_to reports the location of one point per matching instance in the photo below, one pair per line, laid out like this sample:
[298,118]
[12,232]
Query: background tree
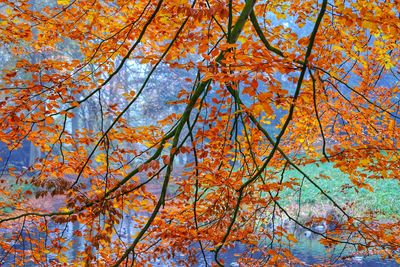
[112,93]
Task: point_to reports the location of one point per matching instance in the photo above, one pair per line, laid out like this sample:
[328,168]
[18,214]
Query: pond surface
[310,251]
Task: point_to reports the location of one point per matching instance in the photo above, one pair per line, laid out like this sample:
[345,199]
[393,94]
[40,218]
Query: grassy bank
[384,200]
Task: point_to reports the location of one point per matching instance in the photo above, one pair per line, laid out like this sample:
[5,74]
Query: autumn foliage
[183,117]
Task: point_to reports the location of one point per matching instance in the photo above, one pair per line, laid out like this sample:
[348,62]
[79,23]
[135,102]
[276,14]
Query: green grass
[385,198]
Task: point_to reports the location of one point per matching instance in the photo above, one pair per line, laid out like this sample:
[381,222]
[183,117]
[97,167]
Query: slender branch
[317,116]
[36,214]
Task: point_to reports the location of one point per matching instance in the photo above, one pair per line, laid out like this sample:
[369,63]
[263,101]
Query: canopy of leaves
[191,120]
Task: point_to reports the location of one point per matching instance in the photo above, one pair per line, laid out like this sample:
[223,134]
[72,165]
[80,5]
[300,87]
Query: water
[310,252]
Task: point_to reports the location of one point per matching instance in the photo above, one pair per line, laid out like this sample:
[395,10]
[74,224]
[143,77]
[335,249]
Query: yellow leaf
[364,161]
[100,158]
[63,2]
[63,259]
[164,19]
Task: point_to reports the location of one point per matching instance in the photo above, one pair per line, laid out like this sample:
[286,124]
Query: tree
[267,88]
